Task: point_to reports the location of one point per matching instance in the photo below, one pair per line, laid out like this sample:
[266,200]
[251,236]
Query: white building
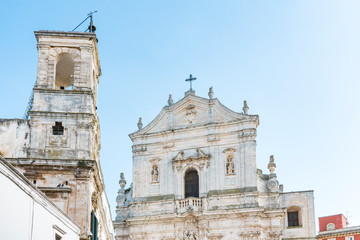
[195,177]
[27,213]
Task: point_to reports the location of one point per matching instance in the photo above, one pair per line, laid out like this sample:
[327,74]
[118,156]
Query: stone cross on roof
[190,79]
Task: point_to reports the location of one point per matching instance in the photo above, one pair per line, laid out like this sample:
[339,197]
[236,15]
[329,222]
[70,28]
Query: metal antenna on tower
[91,27]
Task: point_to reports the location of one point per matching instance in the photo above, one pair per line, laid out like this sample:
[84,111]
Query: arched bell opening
[191,183]
[64,76]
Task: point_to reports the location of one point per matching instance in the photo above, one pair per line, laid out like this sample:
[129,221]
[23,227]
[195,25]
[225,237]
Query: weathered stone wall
[14,137]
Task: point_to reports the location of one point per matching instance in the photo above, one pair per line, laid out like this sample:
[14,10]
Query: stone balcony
[190,204]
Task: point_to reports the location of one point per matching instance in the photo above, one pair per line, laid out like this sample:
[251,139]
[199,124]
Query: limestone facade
[232,198]
[57,149]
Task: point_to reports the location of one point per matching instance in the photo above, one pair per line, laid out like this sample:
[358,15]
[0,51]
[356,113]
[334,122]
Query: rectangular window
[94,226]
[349,238]
[293,219]
[58,129]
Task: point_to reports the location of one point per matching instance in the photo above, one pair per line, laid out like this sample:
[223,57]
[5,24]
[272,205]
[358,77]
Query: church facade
[195,177]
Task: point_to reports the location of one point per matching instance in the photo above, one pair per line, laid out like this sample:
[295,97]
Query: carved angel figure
[155,173]
[229,165]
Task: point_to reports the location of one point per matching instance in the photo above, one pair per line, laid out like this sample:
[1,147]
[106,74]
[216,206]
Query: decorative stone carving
[140,124]
[215,236]
[272,165]
[201,154]
[245,108]
[275,235]
[190,113]
[170,100]
[139,148]
[229,150]
[94,200]
[211,93]
[122,181]
[199,159]
[190,230]
[154,173]
[253,234]
[247,133]
[179,156]
[213,137]
[272,185]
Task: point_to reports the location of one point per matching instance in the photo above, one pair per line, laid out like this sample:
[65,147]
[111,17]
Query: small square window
[58,129]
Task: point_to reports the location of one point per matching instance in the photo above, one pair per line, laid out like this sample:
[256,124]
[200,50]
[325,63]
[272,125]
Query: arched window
[64,71]
[330,226]
[191,184]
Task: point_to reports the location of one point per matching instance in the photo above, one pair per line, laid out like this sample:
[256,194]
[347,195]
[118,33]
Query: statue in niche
[155,174]
[229,165]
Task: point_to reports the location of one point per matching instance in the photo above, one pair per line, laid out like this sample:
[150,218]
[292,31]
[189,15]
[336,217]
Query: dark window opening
[58,129]
[94,226]
[293,219]
[34,182]
[62,87]
[191,184]
[57,237]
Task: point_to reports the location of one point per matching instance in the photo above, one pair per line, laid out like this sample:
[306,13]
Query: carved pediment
[195,158]
[192,111]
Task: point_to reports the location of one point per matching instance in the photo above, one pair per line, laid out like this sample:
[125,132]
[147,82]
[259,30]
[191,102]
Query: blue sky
[297,63]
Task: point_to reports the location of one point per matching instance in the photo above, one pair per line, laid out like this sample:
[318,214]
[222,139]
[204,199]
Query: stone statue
[211,93]
[140,124]
[245,108]
[155,174]
[272,164]
[170,100]
[122,181]
[229,165]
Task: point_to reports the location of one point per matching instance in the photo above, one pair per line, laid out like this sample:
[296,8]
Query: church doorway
[191,184]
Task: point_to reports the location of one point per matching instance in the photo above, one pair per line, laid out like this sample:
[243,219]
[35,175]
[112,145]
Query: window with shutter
[94,226]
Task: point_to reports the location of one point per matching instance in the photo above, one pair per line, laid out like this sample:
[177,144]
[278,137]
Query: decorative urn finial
[245,108]
[122,181]
[211,93]
[140,124]
[272,164]
[170,100]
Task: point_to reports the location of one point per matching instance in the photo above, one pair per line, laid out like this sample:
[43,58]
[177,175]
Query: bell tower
[65,97]
[63,151]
